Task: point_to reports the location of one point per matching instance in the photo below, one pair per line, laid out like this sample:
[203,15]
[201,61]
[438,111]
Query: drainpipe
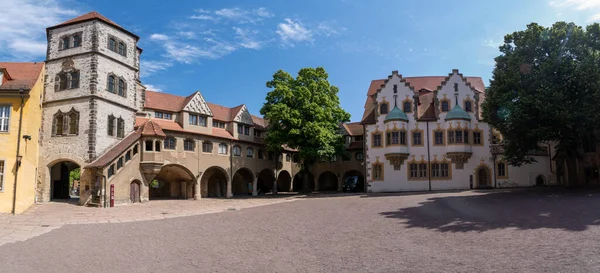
[18,162]
[495,179]
[428,156]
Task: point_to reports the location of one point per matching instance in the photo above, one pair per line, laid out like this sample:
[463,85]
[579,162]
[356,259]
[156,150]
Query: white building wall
[465,178]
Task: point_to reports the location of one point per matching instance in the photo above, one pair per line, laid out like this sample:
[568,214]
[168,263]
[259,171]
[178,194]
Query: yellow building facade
[21,91]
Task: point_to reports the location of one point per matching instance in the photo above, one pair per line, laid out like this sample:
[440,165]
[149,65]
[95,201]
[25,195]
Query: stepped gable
[20,75]
[89,17]
[424,85]
[114,152]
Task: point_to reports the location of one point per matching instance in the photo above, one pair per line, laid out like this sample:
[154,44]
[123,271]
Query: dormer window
[243,129]
[163,115]
[218,124]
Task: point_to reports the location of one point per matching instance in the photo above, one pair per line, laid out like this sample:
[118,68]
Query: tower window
[112,44]
[383,109]
[445,106]
[468,106]
[122,49]
[407,107]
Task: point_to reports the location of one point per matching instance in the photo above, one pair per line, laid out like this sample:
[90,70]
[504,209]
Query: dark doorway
[134,192]
[172,182]
[242,182]
[65,178]
[539,181]
[214,182]
[328,181]
[360,184]
[483,178]
[284,181]
[265,181]
[299,182]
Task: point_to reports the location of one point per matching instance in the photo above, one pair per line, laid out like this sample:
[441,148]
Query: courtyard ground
[472,231]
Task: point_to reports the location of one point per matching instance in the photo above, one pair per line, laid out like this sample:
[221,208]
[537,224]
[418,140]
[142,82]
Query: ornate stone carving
[198,105]
[244,116]
[396,159]
[459,159]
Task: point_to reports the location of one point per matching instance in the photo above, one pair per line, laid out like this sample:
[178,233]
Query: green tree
[544,89]
[74,175]
[304,114]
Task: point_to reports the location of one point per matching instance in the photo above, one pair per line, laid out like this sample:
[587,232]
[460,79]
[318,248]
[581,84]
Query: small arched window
[407,107]
[445,106]
[120,128]
[73,123]
[223,149]
[249,152]
[111,125]
[468,106]
[237,151]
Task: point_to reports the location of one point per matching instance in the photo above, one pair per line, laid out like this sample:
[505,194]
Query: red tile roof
[353,128]
[222,133]
[430,83]
[259,123]
[22,75]
[114,152]
[149,127]
[89,17]
[220,112]
[163,101]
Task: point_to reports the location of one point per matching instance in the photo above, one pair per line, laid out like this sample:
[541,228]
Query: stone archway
[265,181]
[298,182]
[360,183]
[242,182]
[483,177]
[328,181]
[214,182]
[173,181]
[64,182]
[284,181]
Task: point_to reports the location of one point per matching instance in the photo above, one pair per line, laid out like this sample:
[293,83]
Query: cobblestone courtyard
[472,231]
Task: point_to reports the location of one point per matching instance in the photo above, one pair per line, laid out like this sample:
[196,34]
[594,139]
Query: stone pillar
[316,180]
[229,192]
[254,185]
[275,182]
[340,183]
[197,194]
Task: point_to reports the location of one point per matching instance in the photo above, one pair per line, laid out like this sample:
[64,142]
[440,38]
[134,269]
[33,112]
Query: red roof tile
[22,75]
[220,112]
[354,128]
[218,132]
[148,127]
[259,123]
[88,17]
[163,101]
[114,152]
[430,83]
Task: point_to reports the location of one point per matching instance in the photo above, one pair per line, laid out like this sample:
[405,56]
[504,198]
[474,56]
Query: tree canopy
[304,114]
[545,89]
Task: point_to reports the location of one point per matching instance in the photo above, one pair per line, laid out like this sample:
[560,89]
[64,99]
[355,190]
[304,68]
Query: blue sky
[229,49]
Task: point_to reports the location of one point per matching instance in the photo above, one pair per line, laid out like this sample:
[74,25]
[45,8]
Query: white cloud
[23,24]
[291,31]
[244,16]
[329,29]
[149,68]
[592,6]
[152,87]
[246,38]
[204,17]
[159,37]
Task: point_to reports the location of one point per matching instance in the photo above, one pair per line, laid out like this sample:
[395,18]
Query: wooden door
[134,192]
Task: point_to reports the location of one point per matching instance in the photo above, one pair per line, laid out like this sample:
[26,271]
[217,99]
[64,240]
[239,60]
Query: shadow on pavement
[572,210]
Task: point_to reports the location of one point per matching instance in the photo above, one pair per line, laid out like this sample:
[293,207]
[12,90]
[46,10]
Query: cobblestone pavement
[472,231]
[42,218]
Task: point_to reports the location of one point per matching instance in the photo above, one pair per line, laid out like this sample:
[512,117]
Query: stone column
[340,183]
[316,180]
[255,184]
[197,189]
[229,192]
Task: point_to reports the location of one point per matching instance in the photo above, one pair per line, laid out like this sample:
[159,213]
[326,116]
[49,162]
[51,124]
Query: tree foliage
[304,113]
[74,175]
[544,89]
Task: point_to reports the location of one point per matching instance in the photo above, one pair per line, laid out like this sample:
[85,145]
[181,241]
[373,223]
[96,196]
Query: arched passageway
[242,182]
[172,182]
[360,180]
[265,181]
[214,182]
[328,181]
[64,181]
[284,181]
[299,182]
[483,178]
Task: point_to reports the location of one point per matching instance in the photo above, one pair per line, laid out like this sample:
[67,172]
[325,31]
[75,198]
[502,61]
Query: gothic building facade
[427,133]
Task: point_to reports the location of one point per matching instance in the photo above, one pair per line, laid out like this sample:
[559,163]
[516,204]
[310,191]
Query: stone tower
[91,94]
